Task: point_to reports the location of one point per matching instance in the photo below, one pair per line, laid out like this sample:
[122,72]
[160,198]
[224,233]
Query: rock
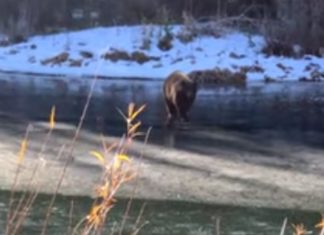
[252,69]
[58,59]
[33,46]
[75,63]
[236,56]
[86,54]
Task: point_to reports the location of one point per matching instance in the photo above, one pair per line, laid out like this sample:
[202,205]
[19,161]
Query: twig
[217,226]
[136,185]
[283,227]
[24,206]
[13,187]
[78,225]
[139,217]
[322,231]
[139,229]
[70,218]
[70,154]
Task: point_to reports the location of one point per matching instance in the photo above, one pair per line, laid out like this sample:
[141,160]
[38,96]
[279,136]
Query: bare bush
[213,26]
[19,25]
[20,19]
[299,22]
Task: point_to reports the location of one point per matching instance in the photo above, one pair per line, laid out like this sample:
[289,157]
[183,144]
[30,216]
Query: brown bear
[179,92]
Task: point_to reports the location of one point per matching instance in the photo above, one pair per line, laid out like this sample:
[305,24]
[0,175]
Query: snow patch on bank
[231,51]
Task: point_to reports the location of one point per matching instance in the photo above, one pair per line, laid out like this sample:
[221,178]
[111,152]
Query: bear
[179,92]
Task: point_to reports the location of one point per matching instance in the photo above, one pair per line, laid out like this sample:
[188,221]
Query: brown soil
[56,60]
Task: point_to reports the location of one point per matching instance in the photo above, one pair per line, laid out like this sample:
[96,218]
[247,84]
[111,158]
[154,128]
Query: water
[291,110]
[165,217]
[281,106]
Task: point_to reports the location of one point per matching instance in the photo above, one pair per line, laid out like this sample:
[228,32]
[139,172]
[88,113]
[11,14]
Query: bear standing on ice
[179,92]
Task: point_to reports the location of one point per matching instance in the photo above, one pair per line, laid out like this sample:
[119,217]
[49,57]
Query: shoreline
[130,78]
[228,178]
[99,77]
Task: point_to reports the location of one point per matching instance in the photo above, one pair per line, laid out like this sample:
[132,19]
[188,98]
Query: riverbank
[260,146]
[137,52]
[276,174]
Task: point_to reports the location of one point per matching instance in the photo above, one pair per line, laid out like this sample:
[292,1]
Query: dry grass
[300,229]
[147,35]
[137,56]
[117,169]
[18,212]
[214,26]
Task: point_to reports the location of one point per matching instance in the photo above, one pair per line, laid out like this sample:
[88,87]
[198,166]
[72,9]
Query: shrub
[299,22]
[137,56]
[117,169]
[218,76]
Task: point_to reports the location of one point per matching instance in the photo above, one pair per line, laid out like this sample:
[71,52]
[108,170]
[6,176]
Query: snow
[201,53]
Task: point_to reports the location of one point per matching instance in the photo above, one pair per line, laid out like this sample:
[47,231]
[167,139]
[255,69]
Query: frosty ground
[232,50]
[225,177]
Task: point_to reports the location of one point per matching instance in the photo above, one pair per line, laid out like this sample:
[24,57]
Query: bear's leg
[184,115]
[183,105]
[169,121]
[172,113]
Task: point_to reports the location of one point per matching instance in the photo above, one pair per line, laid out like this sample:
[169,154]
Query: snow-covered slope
[232,51]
